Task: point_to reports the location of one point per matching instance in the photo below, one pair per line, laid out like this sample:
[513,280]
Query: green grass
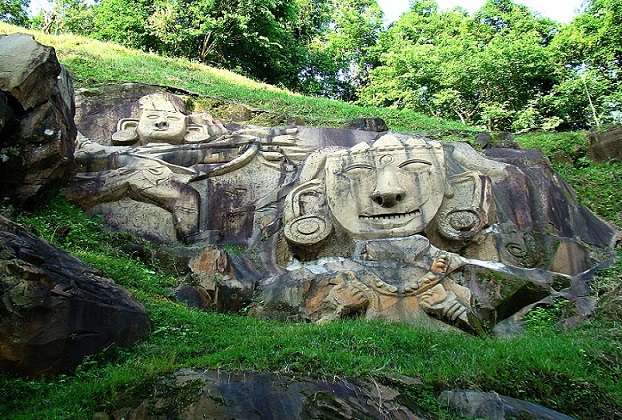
[577,372]
[598,185]
[93,62]
[573,372]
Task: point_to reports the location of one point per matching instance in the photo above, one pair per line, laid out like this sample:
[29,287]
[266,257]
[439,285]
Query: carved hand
[440,264]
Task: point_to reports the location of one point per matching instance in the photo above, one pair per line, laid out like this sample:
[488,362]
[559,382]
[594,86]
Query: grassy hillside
[93,62]
[577,372]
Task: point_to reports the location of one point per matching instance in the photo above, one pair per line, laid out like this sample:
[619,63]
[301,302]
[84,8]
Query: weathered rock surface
[228,280]
[501,140]
[368,124]
[606,146]
[338,223]
[192,394]
[37,131]
[492,406]
[54,310]
[99,109]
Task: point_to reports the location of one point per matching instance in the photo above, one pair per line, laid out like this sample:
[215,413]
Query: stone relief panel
[423,221]
[164,119]
[206,177]
[342,223]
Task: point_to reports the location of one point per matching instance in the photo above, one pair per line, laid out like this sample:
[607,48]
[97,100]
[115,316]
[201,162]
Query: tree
[256,37]
[589,57]
[125,22]
[485,69]
[14,11]
[339,60]
[74,16]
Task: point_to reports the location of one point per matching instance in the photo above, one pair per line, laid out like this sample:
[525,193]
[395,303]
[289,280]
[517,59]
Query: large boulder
[37,132]
[198,394]
[606,146]
[54,310]
[490,405]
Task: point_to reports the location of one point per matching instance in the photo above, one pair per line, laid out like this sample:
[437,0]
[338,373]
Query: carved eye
[358,169]
[415,165]
[173,118]
[153,116]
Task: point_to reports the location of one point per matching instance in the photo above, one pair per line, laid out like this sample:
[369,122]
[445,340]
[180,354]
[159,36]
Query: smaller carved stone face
[390,189]
[161,126]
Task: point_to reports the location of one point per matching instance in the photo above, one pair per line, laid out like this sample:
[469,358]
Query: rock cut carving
[165,157]
[393,188]
[164,119]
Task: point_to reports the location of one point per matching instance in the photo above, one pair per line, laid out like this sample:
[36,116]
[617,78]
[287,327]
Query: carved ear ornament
[465,212]
[306,218]
[126,134]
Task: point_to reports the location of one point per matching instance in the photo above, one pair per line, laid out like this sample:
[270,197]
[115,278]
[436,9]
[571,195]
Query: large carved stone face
[393,188]
[162,126]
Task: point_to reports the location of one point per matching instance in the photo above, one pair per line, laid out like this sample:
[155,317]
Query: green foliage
[546,318]
[313,45]
[14,11]
[338,55]
[222,32]
[125,22]
[75,16]
[502,68]
[93,63]
[487,69]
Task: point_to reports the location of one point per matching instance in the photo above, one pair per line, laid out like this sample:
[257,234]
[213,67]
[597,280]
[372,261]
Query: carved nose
[161,124]
[388,199]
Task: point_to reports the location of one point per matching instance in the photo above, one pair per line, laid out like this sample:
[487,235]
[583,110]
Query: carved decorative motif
[465,212]
[164,119]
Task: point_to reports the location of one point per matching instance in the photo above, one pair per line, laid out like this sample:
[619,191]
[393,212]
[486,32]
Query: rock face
[340,223]
[489,405]
[606,146]
[192,394]
[368,124]
[37,131]
[54,310]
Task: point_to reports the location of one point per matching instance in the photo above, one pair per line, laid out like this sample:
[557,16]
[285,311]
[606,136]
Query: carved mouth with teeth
[390,217]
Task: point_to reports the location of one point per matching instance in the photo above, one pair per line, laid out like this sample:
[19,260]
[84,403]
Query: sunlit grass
[94,62]
[576,372]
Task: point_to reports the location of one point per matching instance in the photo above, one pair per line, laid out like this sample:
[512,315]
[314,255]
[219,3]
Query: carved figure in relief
[395,187]
[164,119]
[158,157]
[434,293]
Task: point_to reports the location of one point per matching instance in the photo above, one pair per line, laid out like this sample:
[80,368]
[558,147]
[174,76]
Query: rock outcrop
[37,132]
[339,223]
[54,310]
[192,394]
[492,406]
[606,146]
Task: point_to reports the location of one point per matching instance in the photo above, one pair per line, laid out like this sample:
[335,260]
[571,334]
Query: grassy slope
[579,372]
[94,62]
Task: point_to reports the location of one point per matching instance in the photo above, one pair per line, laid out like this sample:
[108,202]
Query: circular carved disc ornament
[308,230]
[460,224]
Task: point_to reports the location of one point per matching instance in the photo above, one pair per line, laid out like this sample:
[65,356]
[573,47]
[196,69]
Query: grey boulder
[54,310]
